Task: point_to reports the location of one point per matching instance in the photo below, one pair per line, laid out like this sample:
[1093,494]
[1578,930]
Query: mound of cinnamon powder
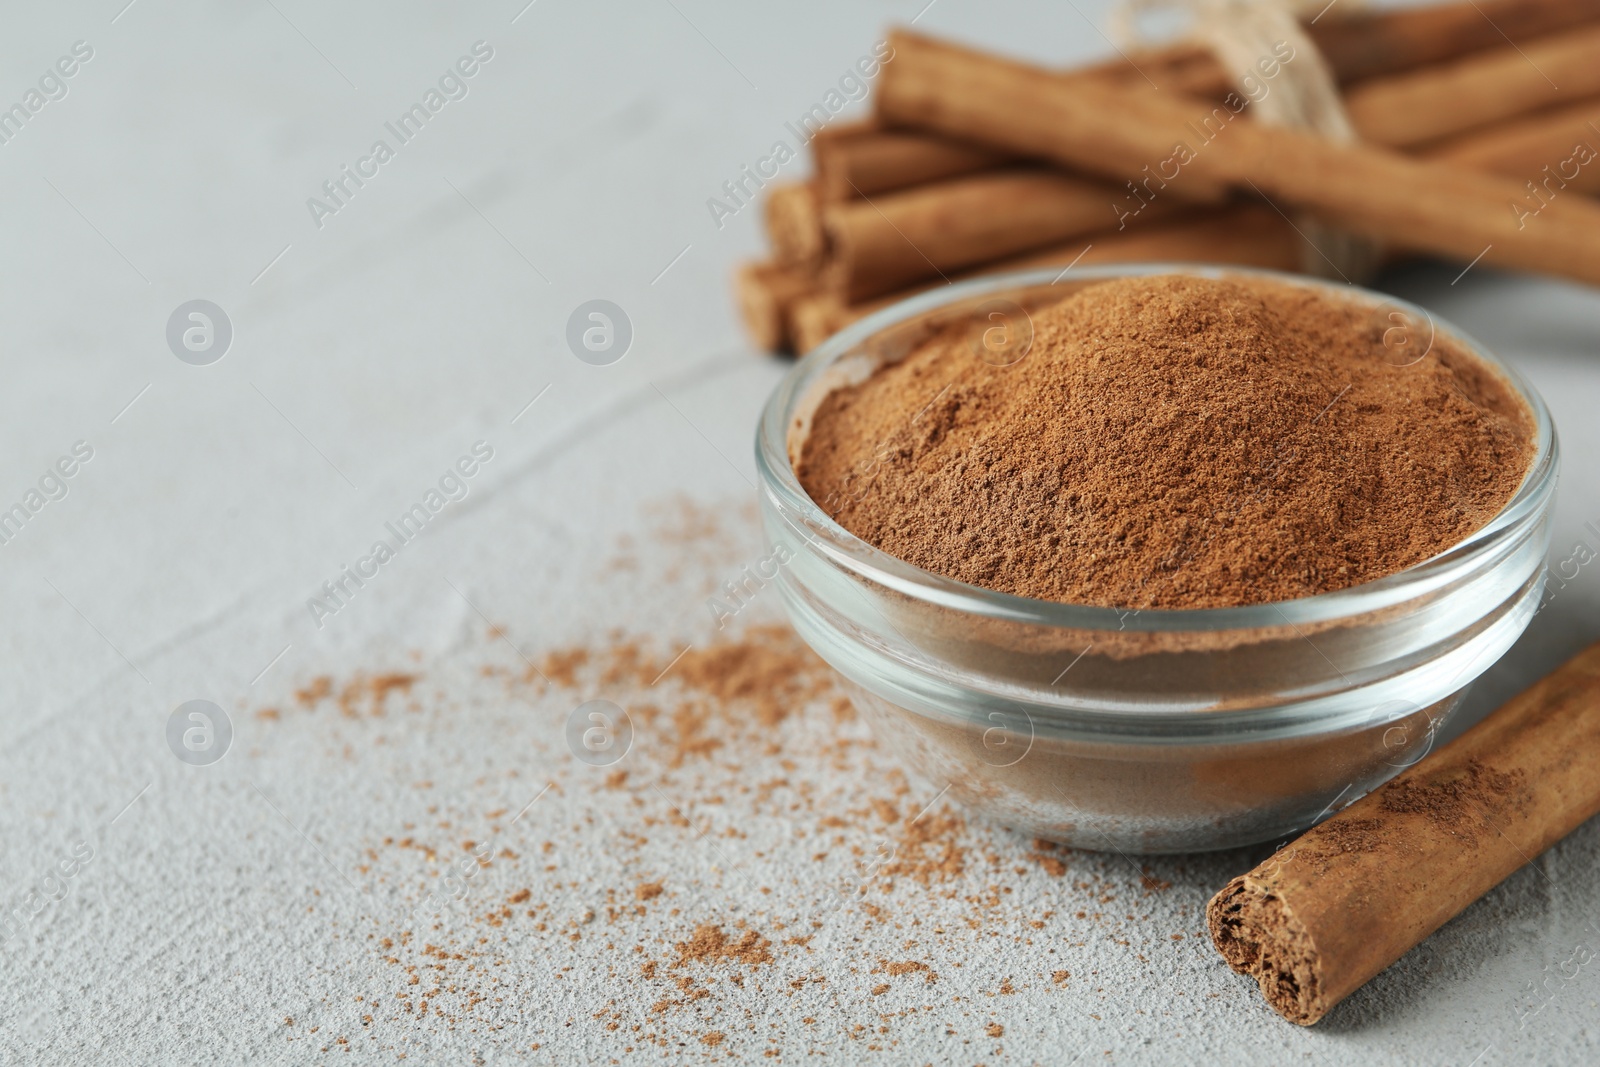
[1174,442]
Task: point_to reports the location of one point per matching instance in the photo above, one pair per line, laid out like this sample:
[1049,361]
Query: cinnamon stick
[1420,106]
[1358,45]
[1553,152]
[815,317]
[766,294]
[878,161]
[1246,235]
[794,223]
[886,244]
[1371,43]
[1178,146]
[1313,923]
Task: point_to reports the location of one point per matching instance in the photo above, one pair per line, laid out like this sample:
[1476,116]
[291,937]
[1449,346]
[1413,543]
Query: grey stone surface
[171,913]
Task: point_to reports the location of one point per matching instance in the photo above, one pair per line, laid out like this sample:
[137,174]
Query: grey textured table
[283,904]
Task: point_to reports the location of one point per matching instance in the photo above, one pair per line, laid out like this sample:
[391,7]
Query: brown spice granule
[1351,835]
[766,667]
[1450,801]
[374,691]
[895,970]
[751,679]
[446,980]
[1173,442]
[384,684]
[713,1039]
[1052,865]
[561,666]
[928,850]
[1151,883]
[709,944]
[995,1030]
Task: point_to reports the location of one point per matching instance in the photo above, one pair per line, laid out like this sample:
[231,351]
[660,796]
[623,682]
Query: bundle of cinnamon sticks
[1477,138]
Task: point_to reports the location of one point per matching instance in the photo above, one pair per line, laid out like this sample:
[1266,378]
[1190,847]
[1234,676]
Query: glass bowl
[1141,731]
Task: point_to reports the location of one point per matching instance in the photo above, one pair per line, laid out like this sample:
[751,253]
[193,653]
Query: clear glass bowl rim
[847,550]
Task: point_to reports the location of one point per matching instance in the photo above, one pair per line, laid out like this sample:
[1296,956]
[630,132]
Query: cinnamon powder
[711,944]
[1175,442]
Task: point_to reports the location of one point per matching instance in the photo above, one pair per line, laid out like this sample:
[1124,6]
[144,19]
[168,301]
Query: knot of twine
[1304,95]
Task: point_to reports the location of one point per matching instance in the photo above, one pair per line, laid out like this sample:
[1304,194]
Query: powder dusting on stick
[1174,442]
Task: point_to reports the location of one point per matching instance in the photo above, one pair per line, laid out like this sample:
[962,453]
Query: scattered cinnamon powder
[316,691]
[879,817]
[753,679]
[710,944]
[1052,864]
[362,692]
[562,665]
[895,970]
[1174,442]
[691,721]
[384,684]
[767,667]
[1352,835]
[1450,801]
[1151,883]
[928,849]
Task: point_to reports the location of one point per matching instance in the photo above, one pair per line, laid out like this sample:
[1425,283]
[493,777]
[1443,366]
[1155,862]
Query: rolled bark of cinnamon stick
[880,161]
[886,244]
[1368,44]
[1351,896]
[1423,105]
[1554,151]
[794,223]
[1012,106]
[1358,45]
[766,294]
[818,316]
[1246,235]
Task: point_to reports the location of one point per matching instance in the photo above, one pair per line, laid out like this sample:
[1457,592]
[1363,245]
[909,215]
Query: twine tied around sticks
[1304,95]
